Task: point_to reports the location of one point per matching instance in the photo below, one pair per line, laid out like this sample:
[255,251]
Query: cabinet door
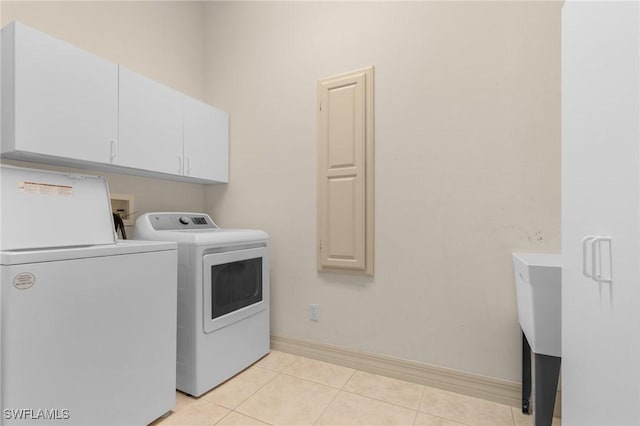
[150,125]
[65,100]
[206,141]
[600,196]
[345,172]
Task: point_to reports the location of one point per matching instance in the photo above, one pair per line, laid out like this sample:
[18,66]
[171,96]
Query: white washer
[223,296]
[88,324]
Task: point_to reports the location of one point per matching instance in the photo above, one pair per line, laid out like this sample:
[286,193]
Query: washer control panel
[181,221]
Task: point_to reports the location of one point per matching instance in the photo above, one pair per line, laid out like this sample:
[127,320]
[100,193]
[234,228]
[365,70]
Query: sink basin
[539,290]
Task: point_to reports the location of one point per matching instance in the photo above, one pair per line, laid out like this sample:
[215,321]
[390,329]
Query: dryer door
[235,286]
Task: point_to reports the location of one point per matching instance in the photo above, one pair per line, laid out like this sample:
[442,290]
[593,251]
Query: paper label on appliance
[24,280]
[41,188]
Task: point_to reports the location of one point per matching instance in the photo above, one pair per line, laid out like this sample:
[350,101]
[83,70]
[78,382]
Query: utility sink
[539,290]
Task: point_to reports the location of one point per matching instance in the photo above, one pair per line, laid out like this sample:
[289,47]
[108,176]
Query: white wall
[162,40]
[467,170]
[466,138]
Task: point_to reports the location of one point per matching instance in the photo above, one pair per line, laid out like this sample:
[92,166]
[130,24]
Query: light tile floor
[285,389]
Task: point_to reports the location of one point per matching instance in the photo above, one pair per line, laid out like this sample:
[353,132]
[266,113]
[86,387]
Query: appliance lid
[41,209]
[122,247]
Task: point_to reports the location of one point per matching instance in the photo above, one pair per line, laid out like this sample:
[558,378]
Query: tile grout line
[296,357]
[382,400]
[419,404]
[339,390]
[513,417]
[415,418]
[334,397]
[278,373]
[223,417]
[250,417]
[257,390]
[233,410]
[353,373]
[312,381]
[416,411]
[424,389]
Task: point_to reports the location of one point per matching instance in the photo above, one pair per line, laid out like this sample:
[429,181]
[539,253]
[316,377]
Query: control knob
[184,220]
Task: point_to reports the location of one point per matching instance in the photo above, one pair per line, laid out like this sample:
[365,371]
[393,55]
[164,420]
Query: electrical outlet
[313,312]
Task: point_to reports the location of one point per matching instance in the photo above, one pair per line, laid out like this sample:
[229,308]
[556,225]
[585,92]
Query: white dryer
[87,323]
[223,296]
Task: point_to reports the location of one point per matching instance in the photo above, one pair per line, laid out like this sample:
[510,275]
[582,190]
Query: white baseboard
[491,389]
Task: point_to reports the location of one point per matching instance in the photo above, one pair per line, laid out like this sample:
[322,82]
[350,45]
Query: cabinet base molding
[93,167]
[475,385]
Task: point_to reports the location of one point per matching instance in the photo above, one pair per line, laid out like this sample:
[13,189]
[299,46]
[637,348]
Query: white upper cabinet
[57,100]
[62,105]
[150,125]
[206,141]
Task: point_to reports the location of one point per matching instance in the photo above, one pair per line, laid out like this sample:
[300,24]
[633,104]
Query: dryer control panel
[181,221]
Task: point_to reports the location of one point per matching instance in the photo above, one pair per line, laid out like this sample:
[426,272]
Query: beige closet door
[345,172]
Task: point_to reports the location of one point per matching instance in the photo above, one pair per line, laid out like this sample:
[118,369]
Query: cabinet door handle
[179,164]
[114,149]
[586,271]
[592,264]
[596,262]
[188,165]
